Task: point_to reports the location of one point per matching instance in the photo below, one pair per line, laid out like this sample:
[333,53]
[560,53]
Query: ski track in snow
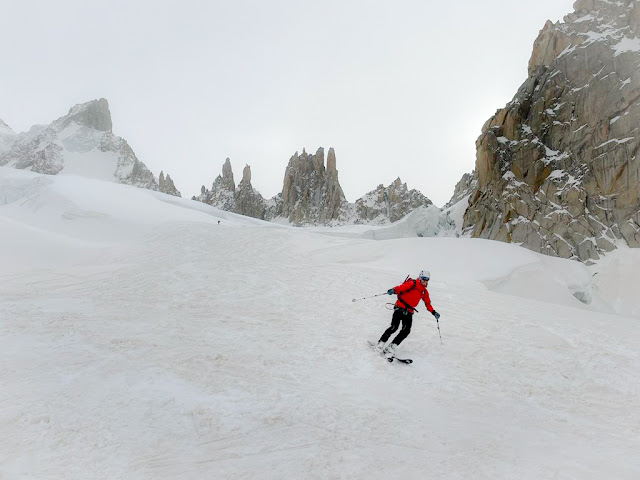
[197,350]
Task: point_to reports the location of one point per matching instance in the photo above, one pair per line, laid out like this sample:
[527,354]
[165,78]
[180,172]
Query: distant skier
[409,295]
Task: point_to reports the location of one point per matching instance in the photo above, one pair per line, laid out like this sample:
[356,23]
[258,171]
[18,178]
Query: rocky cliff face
[557,169]
[81,143]
[311,193]
[389,204]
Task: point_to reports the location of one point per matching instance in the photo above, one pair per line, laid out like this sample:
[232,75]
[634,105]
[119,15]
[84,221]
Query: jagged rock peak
[244,199]
[249,202]
[331,160]
[246,174]
[227,171]
[166,185]
[223,190]
[225,181]
[389,204]
[312,194]
[94,114]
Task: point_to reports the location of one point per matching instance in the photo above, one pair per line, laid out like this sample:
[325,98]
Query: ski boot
[390,351]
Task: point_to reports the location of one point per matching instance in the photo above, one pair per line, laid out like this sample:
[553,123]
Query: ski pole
[365,298]
[438,322]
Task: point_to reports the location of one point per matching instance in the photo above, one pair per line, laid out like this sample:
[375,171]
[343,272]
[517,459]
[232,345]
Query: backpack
[405,303]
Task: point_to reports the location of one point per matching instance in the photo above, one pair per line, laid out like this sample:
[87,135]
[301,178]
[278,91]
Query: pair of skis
[391,358]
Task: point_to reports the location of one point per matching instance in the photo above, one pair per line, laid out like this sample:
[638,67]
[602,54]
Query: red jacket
[411,292]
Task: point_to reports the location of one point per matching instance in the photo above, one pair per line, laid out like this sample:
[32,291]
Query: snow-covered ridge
[79,143]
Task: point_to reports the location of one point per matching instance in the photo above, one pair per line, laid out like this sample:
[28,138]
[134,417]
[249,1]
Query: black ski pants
[399,316]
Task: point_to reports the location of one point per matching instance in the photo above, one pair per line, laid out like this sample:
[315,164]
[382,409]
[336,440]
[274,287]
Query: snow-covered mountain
[80,143]
[147,336]
[389,204]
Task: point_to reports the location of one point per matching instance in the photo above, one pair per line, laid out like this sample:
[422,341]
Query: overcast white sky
[397,88]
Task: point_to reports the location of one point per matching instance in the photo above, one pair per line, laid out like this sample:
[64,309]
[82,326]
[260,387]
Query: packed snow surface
[144,336]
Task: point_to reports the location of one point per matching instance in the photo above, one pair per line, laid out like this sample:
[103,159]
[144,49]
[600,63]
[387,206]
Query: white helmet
[424,274]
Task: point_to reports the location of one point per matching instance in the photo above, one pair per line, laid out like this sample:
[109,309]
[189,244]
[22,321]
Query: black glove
[435,314]
[390,291]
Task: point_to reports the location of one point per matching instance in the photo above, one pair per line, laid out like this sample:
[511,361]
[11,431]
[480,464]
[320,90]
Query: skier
[409,295]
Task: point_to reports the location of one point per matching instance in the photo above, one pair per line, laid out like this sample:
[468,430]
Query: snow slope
[140,338]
